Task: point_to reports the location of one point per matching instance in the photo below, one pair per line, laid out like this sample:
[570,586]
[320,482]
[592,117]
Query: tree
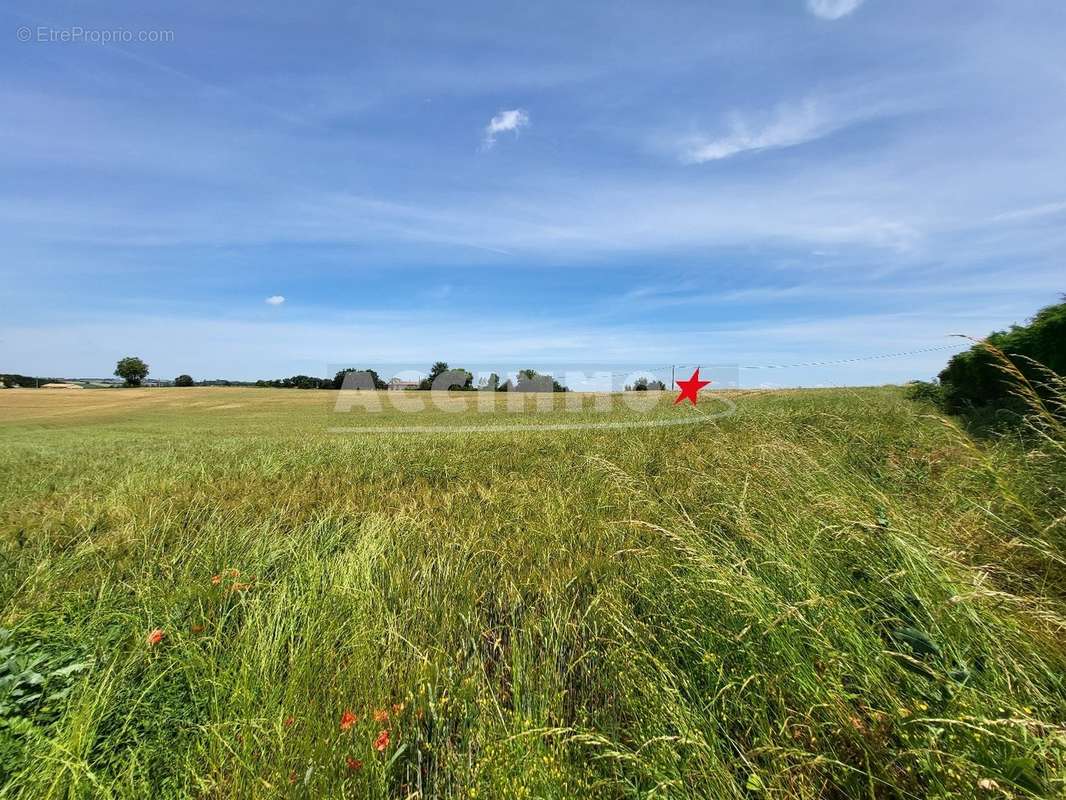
[435,371]
[183,380]
[975,378]
[338,379]
[529,380]
[642,384]
[443,377]
[453,379]
[132,370]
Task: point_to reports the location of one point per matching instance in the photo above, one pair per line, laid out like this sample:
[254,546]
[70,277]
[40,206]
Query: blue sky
[642,183]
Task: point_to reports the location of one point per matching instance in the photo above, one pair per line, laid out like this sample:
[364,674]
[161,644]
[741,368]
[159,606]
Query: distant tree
[453,380]
[642,384]
[306,382]
[183,380]
[529,380]
[132,370]
[491,383]
[338,379]
[435,372]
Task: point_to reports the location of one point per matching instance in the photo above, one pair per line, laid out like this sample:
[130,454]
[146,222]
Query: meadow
[206,593]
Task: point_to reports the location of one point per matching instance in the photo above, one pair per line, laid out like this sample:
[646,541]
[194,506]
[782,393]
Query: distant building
[396,385]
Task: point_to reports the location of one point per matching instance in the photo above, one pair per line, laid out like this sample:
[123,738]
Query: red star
[691,388]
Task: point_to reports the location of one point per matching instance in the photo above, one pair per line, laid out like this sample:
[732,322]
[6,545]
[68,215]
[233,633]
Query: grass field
[830,593]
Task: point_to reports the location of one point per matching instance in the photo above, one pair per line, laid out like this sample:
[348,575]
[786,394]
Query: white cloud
[792,125]
[504,122]
[1033,212]
[275,300]
[832,9]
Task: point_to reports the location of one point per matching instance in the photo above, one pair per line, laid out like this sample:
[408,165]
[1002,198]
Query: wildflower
[216,580]
[155,637]
[353,763]
[290,721]
[239,587]
[234,573]
[397,708]
[381,715]
[348,719]
[904,712]
[381,743]
[197,628]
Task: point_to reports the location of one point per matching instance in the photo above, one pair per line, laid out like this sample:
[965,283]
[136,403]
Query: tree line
[440,375]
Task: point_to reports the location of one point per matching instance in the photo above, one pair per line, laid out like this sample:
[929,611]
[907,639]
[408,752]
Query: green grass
[827,594]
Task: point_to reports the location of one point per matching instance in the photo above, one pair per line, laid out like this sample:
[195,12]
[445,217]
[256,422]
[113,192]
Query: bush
[977,379]
[925,392]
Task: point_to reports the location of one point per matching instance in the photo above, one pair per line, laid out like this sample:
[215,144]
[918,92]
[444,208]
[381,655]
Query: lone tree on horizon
[132,370]
[183,380]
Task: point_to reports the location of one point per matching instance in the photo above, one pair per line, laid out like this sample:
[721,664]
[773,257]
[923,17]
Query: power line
[847,360]
[709,363]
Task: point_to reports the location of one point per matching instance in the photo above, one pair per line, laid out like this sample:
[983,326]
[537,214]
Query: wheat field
[208,593]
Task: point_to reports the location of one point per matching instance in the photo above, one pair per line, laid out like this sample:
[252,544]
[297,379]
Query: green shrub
[977,379]
[925,392]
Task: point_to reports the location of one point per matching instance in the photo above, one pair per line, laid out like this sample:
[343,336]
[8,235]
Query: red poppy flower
[156,636]
[381,743]
[290,721]
[381,715]
[353,763]
[348,719]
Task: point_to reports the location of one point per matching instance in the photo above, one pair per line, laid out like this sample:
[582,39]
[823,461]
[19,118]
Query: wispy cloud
[275,300]
[832,9]
[1032,212]
[505,122]
[791,125]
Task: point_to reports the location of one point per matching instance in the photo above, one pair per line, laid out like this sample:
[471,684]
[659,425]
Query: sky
[258,189]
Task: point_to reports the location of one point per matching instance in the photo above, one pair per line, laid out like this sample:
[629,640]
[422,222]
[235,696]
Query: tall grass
[829,594]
